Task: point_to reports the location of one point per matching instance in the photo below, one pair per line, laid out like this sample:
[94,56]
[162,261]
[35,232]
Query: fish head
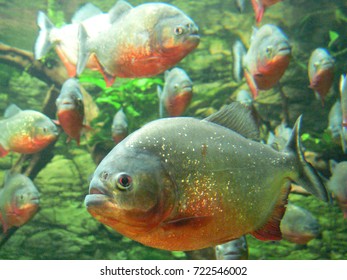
[175,33]
[70,96]
[276,51]
[25,203]
[44,132]
[233,250]
[24,197]
[130,191]
[178,81]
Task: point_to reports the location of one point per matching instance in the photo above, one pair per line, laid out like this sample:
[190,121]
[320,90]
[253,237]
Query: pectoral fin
[251,83]
[109,79]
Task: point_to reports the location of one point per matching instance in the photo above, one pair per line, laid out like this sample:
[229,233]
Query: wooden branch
[24,60]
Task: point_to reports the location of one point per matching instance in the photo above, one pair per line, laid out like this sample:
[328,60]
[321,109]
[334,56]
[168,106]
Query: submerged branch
[24,60]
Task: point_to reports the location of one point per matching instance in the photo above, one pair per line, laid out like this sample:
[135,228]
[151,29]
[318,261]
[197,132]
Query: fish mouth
[97,195]
[35,200]
[186,88]
[285,50]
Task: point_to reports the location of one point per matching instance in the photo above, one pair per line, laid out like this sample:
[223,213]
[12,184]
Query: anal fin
[70,68]
[109,79]
[271,230]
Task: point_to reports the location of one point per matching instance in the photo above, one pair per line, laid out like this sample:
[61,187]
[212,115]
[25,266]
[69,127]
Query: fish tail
[308,176]
[83,51]
[343,139]
[43,42]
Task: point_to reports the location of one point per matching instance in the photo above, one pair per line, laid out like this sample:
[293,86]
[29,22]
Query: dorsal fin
[271,230]
[86,11]
[237,118]
[11,111]
[119,9]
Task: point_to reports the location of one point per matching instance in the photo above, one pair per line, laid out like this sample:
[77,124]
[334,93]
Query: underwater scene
[174,130]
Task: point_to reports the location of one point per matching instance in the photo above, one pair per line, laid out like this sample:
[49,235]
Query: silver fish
[180,184]
[239,52]
[177,93]
[233,250]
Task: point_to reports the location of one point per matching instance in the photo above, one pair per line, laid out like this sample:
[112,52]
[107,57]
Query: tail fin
[308,176]
[43,43]
[83,52]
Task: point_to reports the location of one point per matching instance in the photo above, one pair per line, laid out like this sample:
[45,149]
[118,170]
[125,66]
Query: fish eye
[44,129]
[124,181]
[268,50]
[178,30]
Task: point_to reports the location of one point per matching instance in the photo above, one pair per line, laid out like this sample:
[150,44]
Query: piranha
[259,7]
[119,127]
[177,93]
[233,250]
[70,109]
[25,131]
[202,254]
[299,225]
[343,96]
[187,184]
[240,5]
[267,58]
[321,72]
[245,98]
[335,120]
[19,200]
[65,38]
[143,41]
[239,51]
[337,184]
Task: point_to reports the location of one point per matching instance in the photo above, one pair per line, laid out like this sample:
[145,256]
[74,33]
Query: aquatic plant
[137,97]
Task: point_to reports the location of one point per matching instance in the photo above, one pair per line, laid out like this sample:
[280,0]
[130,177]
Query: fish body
[119,126]
[176,94]
[25,131]
[259,7]
[343,108]
[267,58]
[193,192]
[245,98]
[240,5]
[65,38]
[338,184]
[19,200]
[299,225]
[233,250]
[321,72]
[335,119]
[144,41]
[70,109]
[280,138]
[239,51]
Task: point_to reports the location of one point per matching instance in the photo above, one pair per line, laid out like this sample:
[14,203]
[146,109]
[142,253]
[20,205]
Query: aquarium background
[63,229]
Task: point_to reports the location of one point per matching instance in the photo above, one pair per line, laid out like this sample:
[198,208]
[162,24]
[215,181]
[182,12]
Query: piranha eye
[178,30]
[124,181]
